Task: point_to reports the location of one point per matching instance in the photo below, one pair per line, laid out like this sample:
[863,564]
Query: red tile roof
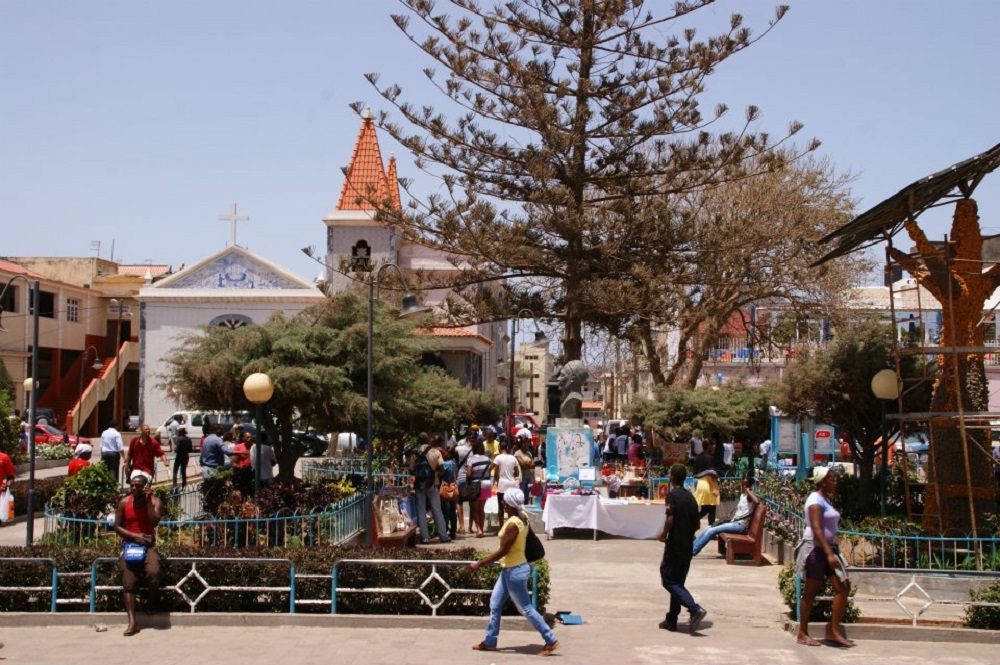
[140,270]
[365,186]
[451,332]
[16,269]
[392,181]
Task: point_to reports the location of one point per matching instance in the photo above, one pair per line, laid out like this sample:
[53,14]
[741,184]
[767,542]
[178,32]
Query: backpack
[423,474]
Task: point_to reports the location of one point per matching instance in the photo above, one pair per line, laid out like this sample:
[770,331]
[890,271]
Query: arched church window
[231,321]
[361,257]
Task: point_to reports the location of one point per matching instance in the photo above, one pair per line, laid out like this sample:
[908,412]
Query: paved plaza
[612,583]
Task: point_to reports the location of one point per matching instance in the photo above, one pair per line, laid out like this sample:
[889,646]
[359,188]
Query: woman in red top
[81,459]
[135,521]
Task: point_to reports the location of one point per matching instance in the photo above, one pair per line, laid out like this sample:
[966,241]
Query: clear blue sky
[142,122]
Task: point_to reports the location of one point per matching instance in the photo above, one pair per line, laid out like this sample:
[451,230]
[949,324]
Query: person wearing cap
[514,574]
[81,459]
[136,518]
[817,557]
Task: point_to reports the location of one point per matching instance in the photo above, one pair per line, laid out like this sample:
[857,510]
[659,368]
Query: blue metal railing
[419,585]
[322,473]
[331,525]
[865,549]
[184,570]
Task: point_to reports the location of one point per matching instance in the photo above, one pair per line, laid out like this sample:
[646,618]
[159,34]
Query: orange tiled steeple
[392,181]
[367,184]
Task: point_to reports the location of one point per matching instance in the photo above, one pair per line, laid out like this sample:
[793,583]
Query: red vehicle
[49,435]
[516,421]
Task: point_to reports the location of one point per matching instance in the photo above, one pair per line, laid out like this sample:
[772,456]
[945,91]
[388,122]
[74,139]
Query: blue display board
[566,450]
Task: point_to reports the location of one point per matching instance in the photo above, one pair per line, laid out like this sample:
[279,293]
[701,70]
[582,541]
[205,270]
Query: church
[236,287]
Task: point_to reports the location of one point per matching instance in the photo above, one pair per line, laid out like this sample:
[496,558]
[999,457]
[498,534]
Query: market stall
[632,519]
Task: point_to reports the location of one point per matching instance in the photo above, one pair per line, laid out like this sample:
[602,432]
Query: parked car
[195,423]
[915,442]
[47,435]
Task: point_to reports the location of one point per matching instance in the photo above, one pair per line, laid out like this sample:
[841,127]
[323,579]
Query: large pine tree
[568,113]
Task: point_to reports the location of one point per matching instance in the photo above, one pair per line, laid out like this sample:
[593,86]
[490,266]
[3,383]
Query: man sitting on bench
[738,523]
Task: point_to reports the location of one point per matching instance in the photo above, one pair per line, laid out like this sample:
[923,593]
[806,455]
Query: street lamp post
[410,306]
[118,341]
[95,366]
[31,386]
[539,337]
[258,388]
[885,386]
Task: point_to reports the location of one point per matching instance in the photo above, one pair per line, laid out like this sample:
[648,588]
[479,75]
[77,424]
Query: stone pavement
[612,583]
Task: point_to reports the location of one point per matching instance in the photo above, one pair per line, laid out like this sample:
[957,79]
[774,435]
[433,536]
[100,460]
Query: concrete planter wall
[779,550]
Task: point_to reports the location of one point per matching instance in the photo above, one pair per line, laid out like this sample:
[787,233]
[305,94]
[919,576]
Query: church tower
[354,239]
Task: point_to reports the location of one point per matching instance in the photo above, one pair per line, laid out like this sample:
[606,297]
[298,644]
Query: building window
[9,302]
[46,304]
[231,321]
[361,257]
[72,310]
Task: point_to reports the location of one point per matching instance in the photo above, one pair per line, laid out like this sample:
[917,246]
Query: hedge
[45,489]
[229,573]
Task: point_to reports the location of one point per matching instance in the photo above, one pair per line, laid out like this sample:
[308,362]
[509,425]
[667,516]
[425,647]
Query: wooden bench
[751,542]
[394,540]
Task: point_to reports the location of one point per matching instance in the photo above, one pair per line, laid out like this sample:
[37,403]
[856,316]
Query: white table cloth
[618,518]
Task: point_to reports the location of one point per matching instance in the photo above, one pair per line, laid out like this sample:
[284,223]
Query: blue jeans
[513,583]
[673,575]
[432,495]
[713,531]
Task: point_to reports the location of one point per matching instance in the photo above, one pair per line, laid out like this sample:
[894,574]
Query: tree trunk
[652,355]
[961,490]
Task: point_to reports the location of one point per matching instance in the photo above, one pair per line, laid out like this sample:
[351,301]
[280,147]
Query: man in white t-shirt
[507,471]
[764,450]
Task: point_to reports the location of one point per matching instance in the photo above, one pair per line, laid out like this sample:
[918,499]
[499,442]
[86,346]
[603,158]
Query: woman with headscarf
[817,556]
[514,573]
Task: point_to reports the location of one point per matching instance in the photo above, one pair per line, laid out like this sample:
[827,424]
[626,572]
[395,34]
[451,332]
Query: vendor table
[636,519]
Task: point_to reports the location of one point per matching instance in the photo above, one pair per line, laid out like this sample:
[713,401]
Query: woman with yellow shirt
[514,574]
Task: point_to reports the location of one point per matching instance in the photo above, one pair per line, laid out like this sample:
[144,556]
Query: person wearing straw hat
[817,557]
[513,580]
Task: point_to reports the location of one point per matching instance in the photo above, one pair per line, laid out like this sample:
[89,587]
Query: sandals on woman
[548,649]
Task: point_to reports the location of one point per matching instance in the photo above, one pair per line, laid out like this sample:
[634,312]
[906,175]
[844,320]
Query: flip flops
[809,642]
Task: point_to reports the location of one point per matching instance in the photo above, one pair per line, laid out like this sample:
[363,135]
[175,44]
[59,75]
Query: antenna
[95,246]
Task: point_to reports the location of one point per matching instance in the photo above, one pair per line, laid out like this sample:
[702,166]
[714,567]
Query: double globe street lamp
[411,306]
[885,386]
[31,390]
[96,366]
[258,389]
[539,338]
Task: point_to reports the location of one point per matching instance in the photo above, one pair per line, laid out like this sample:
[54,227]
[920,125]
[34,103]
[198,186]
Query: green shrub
[318,560]
[821,609]
[45,489]
[984,617]
[91,493]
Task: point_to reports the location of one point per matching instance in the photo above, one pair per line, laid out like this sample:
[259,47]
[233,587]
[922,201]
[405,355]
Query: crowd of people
[462,477]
